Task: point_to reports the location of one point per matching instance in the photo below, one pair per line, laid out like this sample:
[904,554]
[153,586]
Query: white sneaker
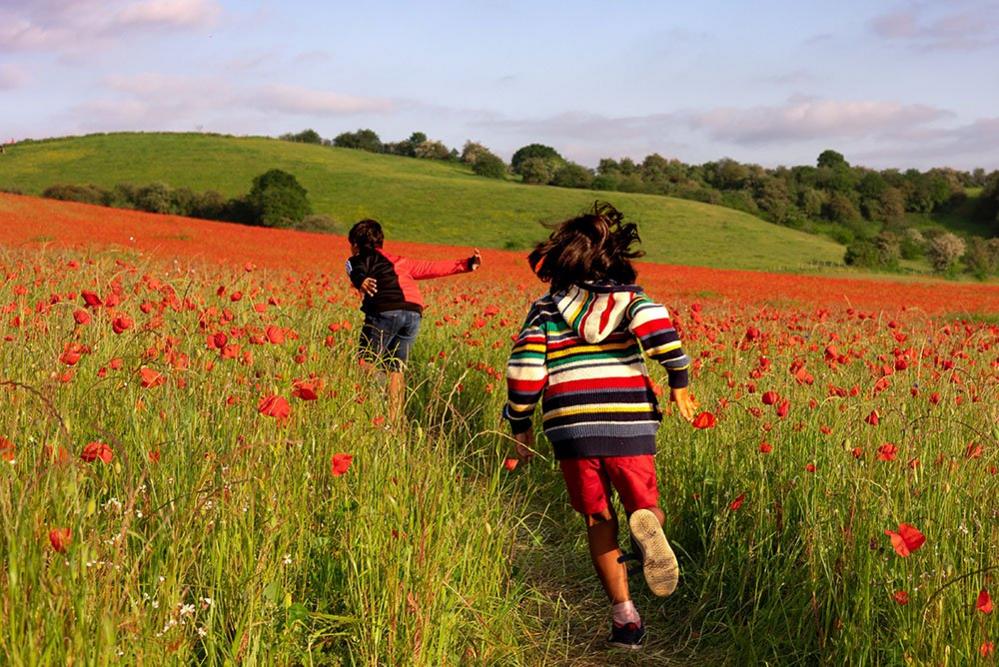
[662,572]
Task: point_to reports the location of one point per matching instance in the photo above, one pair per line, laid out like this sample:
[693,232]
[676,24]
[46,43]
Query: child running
[580,353]
[391,301]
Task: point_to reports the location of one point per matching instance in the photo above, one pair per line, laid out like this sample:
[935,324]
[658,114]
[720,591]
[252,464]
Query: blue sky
[772,81]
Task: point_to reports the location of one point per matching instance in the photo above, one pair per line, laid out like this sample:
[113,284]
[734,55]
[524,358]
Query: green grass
[238,545]
[417,200]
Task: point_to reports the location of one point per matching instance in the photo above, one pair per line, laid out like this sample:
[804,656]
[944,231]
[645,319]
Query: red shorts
[589,481]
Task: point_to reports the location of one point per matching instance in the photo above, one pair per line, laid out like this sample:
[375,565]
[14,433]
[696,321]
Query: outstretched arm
[425,270]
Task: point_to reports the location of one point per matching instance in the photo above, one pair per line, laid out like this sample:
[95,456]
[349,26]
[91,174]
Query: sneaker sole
[662,572]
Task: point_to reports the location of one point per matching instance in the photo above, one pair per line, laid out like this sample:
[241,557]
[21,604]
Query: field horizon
[416,200]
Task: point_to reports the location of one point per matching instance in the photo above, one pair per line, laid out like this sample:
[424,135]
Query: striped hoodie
[580,354]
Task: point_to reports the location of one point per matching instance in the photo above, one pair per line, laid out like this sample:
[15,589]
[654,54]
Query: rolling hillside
[417,200]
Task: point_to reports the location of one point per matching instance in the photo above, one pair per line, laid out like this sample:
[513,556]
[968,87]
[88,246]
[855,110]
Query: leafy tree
[811,201]
[831,159]
[278,200]
[489,165]
[539,170]
[772,197]
[533,151]
[85,194]
[472,151]
[572,175]
[913,244]
[839,208]
[308,136]
[209,205]
[365,140]
[944,250]
[431,150]
[154,198]
[861,253]
[982,257]
[988,202]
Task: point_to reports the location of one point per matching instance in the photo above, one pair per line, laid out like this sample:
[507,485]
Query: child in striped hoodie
[580,353]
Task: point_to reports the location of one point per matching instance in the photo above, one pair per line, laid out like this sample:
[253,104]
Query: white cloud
[156,101]
[305,101]
[956,26]
[68,26]
[169,13]
[803,119]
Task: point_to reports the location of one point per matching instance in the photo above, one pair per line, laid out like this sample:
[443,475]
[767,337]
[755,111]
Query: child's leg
[634,478]
[601,533]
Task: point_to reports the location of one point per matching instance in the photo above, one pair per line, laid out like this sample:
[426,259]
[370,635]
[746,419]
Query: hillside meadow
[416,200]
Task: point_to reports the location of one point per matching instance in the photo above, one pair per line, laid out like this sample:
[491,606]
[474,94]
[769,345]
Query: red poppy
[275,334]
[81,316]
[340,463]
[901,597]
[704,420]
[510,464]
[91,299]
[305,391]
[274,406]
[96,450]
[887,452]
[7,450]
[770,397]
[984,602]
[810,467]
[873,419]
[153,456]
[122,323]
[737,503]
[783,408]
[907,540]
[987,649]
[60,539]
[151,378]
[765,447]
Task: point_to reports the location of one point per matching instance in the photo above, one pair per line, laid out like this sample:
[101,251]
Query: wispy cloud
[169,13]
[957,26]
[150,100]
[305,101]
[65,26]
[798,119]
[805,119]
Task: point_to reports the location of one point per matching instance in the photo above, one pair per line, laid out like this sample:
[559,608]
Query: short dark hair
[593,247]
[367,235]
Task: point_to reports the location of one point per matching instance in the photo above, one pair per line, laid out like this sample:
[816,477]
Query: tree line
[870,211]
[275,199]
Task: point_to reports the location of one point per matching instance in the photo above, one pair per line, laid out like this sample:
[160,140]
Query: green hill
[417,200]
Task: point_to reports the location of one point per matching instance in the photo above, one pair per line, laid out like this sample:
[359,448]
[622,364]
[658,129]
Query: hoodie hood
[595,311]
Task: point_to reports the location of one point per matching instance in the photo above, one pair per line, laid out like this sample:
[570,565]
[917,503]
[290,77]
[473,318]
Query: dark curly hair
[593,247]
[367,235]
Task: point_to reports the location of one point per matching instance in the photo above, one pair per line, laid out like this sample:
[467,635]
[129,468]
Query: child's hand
[525,444]
[369,286]
[684,402]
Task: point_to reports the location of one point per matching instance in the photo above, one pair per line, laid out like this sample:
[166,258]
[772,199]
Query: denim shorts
[386,338]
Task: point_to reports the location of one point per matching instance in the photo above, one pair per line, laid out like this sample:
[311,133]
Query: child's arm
[425,270]
[526,377]
[650,323]
[360,280]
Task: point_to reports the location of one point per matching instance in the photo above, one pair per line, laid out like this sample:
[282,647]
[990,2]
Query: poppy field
[195,468]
